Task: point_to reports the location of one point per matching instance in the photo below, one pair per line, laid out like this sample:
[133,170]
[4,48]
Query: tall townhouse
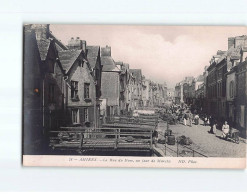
[224,65]
[110,85]
[43,103]
[211,86]
[80,87]
[241,92]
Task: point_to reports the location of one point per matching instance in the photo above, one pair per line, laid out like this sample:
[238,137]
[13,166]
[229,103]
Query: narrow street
[208,144]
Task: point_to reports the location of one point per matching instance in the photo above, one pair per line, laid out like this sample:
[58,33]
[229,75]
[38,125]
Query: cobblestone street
[204,142]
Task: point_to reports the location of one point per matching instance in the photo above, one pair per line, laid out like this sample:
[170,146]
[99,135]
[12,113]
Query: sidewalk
[209,144]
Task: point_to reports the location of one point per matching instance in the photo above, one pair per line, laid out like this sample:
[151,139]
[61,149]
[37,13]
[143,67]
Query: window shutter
[81,114]
[91,114]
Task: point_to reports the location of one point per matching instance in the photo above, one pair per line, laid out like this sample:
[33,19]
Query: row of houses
[76,85]
[125,89]
[221,90]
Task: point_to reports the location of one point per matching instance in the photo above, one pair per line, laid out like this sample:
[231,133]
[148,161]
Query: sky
[164,53]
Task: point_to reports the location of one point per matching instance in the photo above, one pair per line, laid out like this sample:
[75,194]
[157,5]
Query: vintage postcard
[134,96]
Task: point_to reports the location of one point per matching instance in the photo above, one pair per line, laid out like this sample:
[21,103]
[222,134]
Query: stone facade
[241,95]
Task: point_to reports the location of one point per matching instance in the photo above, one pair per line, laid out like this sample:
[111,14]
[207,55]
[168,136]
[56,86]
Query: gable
[68,58]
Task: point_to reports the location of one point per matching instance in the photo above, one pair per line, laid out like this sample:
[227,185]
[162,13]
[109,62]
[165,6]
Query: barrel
[171,140]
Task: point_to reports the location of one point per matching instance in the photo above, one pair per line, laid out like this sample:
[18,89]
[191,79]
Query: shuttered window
[75,116]
[74,89]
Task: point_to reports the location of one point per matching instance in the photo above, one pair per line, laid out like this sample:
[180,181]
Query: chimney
[71,42]
[84,46]
[240,40]
[76,43]
[41,30]
[106,51]
[220,52]
[228,63]
[231,42]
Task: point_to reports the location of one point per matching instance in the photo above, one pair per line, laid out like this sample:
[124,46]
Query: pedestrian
[196,119]
[155,136]
[211,121]
[190,118]
[185,119]
[225,130]
[214,127]
[205,119]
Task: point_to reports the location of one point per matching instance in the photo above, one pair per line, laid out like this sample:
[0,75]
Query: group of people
[188,116]
[179,114]
[184,114]
[212,122]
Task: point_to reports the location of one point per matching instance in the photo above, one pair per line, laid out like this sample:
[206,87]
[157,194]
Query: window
[86,114]
[51,94]
[75,116]
[74,89]
[86,90]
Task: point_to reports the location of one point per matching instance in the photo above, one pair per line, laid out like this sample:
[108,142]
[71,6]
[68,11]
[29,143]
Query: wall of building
[110,88]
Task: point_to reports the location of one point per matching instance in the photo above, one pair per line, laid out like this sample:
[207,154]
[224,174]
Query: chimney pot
[231,42]
[84,45]
[106,51]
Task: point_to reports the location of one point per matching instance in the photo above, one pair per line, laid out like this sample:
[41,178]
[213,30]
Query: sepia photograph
[126,95]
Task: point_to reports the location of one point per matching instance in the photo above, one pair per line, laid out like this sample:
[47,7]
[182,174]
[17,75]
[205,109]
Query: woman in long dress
[214,128]
[225,130]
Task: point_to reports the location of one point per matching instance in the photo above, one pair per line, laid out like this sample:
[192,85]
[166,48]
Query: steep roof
[137,73]
[68,57]
[43,46]
[92,55]
[108,63]
[44,42]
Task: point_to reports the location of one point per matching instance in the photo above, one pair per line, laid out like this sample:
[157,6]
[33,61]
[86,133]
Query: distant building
[170,94]
[177,93]
[137,74]
[182,90]
[123,88]
[145,92]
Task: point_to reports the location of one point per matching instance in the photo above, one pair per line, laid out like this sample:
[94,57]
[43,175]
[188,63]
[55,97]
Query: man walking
[190,118]
[185,119]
